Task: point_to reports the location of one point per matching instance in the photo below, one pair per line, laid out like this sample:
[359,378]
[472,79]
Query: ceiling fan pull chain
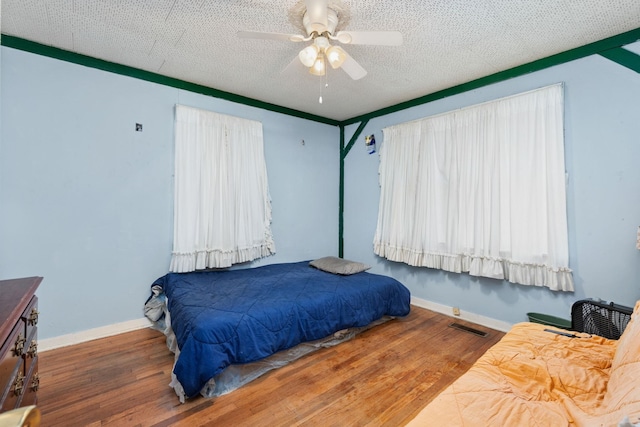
[323,85]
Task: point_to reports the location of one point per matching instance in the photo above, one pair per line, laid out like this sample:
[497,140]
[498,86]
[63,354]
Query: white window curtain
[222,210]
[479,190]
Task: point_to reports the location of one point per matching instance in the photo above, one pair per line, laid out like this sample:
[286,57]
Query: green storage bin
[546,319]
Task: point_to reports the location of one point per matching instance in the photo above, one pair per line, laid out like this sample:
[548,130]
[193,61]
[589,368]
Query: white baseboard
[464,315]
[92,334]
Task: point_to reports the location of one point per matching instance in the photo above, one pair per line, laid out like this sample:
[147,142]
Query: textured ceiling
[446,42]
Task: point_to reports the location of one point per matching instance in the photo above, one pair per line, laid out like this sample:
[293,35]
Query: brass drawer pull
[35,382]
[33,317]
[18,385]
[18,349]
[33,350]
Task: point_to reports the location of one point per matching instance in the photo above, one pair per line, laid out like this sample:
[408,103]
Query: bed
[226,327]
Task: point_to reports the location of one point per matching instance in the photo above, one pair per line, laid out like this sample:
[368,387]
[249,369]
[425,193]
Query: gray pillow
[331,264]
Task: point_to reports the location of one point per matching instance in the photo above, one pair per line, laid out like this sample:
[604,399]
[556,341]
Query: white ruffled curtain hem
[217,258]
[556,279]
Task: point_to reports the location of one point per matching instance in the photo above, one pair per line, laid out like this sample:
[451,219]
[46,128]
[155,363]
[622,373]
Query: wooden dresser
[19,378]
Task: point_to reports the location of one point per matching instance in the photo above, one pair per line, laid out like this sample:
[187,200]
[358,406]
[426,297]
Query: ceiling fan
[320,19]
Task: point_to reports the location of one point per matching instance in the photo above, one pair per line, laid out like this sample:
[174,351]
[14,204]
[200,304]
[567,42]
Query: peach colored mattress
[533,377]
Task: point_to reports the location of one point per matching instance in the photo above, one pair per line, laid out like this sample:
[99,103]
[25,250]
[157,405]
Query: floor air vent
[467,329]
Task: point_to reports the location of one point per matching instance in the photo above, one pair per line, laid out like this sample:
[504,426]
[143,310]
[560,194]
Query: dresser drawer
[31,385]
[12,367]
[30,316]
[30,319]
[14,389]
[11,351]
[19,380]
[30,352]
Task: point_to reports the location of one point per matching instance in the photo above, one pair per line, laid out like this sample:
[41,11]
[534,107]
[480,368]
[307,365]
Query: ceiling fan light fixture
[321,19]
[309,55]
[336,56]
[319,68]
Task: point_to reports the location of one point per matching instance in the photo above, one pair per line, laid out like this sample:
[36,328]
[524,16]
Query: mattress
[236,317]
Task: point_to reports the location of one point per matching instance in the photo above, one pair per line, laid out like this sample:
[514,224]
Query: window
[479,190]
[222,210]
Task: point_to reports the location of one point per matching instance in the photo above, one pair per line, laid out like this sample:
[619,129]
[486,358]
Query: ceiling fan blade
[317,14]
[270,36]
[352,68]
[294,67]
[381,38]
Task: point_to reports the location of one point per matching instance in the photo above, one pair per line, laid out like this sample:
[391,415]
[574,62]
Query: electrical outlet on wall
[456,311]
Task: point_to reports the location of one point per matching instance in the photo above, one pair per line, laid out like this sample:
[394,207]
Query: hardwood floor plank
[382,377]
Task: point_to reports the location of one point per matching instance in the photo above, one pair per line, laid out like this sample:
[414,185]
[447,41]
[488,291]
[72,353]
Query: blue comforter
[240,316]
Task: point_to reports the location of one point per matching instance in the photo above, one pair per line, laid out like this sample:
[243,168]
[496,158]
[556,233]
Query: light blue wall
[87,202]
[602,146]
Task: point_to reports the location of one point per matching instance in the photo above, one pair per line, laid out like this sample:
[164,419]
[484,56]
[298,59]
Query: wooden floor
[382,377]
